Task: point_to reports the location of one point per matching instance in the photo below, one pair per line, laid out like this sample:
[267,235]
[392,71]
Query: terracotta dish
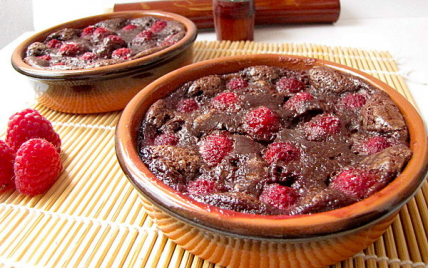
[106,88]
[235,239]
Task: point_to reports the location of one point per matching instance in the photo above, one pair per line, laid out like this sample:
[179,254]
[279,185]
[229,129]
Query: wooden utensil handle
[268,12]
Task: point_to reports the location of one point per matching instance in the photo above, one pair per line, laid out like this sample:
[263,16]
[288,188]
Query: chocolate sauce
[226,155]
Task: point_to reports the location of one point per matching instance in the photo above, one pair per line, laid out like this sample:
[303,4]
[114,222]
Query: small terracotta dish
[106,88]
[235,239]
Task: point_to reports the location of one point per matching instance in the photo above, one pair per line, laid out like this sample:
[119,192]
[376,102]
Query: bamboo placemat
[92,216]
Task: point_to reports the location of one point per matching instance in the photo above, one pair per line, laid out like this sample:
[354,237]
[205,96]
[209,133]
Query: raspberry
[166,139]
[121,53]
[322,126]
[281,152]
[114,41]
[169,40]
[261,123]
[7,158]
[37,166]
[278,196]
[353,100]
[45,57]
[358,183]
[202,186]
[88,56]
[294,102]
[374,145]
[101,32]
[71,49]
[145,35]
[88,31]
[29,124]
[187,105]
[289,85]
[129,27]
[158,26]
[54,43]
[224,101]
[169,43]
[215,147]
[237,83]
[109,45]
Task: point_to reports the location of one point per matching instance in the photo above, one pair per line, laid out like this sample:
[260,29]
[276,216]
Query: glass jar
[234,19]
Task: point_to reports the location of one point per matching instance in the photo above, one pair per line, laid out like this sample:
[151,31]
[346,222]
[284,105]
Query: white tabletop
[403,36]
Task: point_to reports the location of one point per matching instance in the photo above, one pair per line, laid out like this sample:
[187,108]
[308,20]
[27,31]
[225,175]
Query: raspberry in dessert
[276,141]
[104,43]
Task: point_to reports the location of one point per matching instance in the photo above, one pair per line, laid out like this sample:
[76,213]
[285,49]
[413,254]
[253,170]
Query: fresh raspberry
[29,124]
[121,53]
[129,27]
[322,126]
[187,105]
[289,85]
[281,152]
[88,31]
[353,100]
[374,145]
[202,186]
[356,182]
[158,26]
[45,57]
[261,123]
[54,43]
[214,147]
[278,196]
[71,49]
[37,166]
[7,158]
[101,32]
[294,102]
[166,139]
[144,36]
[225,101]
[237,83]
[88,56]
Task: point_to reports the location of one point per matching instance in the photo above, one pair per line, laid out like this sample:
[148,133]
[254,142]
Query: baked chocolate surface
[104,43]
[270,140]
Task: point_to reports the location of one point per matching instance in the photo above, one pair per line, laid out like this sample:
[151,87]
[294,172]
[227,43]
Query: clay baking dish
[236,239]
[107,88]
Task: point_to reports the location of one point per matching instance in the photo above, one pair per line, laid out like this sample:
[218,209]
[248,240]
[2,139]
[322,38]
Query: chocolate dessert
[276,141]
[104,43]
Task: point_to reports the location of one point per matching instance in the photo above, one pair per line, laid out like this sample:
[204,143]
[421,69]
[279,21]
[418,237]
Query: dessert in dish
[110,86]
[271,140]
[104,43]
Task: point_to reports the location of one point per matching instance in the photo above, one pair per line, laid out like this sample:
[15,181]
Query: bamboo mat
[92,217]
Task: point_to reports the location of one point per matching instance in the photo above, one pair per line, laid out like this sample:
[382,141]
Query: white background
[19,16]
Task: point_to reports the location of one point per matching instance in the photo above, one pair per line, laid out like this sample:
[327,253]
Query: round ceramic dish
[236,239]
[107,88]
